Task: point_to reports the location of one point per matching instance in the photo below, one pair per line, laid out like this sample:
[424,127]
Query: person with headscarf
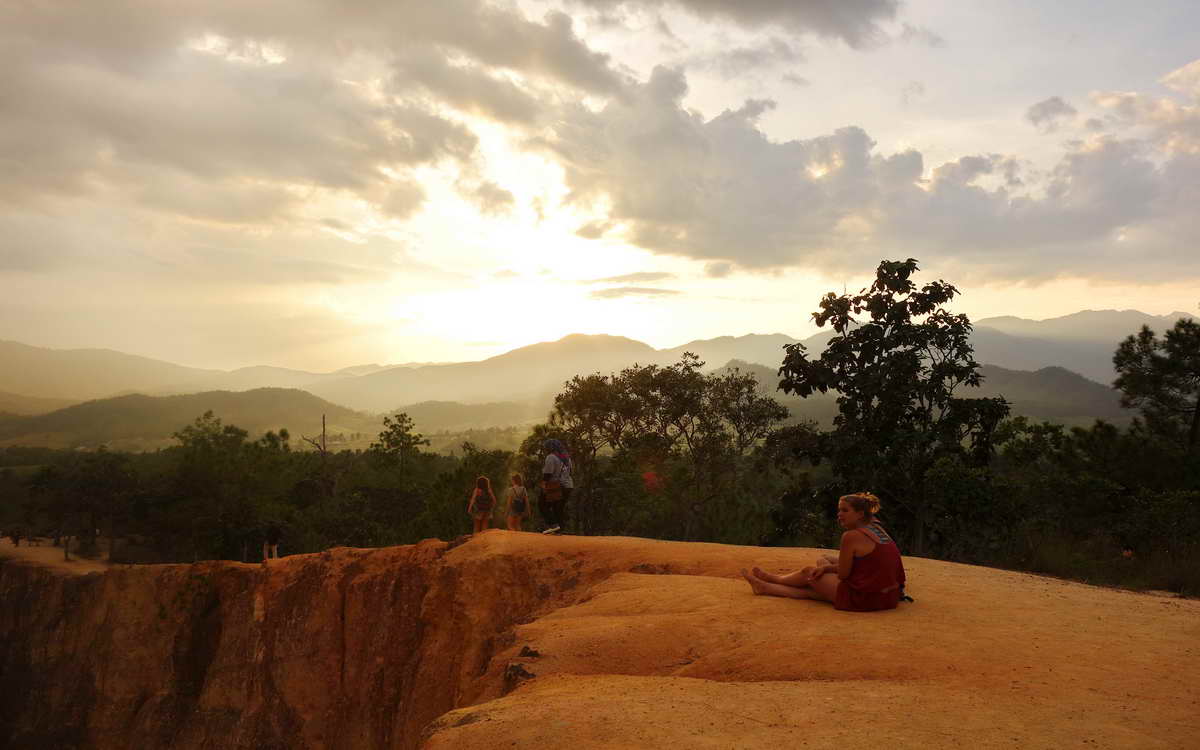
[556,485]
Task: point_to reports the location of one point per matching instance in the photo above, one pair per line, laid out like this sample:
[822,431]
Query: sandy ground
[984,659]
[47,555]
[647,644]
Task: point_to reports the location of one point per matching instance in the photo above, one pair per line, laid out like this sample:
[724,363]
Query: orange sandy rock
[522,640]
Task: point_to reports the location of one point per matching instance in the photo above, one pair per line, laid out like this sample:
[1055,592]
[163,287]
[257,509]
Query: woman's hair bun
[863,502]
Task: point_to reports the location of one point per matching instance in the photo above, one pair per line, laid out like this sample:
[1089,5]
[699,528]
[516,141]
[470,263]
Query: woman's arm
[471,502]
[851,543]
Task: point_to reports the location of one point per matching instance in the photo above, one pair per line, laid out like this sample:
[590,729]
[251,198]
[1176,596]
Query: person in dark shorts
[518,503]
[481,504]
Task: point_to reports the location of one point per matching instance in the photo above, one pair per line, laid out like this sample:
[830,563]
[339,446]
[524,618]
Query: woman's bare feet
[763,575]
[755,584]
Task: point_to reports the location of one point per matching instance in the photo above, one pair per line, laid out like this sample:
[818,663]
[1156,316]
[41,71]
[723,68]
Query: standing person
[556,485]
[481,504]
[867,575]
[518,503]
[271,539]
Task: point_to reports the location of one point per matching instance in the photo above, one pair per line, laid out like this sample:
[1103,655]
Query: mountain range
[1051,369]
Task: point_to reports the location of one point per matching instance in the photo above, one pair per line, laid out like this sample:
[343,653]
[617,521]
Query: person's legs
[766,588]
[476,524]
[275,551]
[797,578]
[553,513]
[562,506]
[266,549]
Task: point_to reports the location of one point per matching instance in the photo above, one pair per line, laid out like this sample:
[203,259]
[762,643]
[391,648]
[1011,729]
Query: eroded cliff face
[344,649]
[520,640]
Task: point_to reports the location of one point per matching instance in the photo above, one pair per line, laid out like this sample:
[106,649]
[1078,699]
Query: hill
[519,640]
[1049,394]
[531,372]
[80,374]
[86,373]
[139,422]
[436,416]
[1107,327]
[765,349]
[11,403]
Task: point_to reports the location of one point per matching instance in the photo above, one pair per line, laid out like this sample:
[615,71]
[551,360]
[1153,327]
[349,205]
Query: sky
[322,183]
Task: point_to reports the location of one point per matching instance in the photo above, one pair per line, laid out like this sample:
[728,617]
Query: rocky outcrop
[520,640]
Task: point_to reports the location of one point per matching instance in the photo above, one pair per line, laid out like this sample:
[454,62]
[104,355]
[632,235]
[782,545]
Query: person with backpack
[868,574]
[480,505]
[518,503]
[556,485]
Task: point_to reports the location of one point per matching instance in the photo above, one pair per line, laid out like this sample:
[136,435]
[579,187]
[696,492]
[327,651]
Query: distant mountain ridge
[137,422]
[1100,326]
[1082,342]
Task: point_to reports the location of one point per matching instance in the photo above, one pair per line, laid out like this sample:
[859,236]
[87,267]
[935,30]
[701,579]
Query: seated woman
[867,575]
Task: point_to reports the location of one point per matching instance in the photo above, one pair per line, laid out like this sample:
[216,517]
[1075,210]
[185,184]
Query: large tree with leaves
[896,360]
[1161,377]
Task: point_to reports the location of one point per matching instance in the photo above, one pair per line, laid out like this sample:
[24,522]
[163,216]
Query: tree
[667,420]
[1161,377]
[895,373]
[397,442]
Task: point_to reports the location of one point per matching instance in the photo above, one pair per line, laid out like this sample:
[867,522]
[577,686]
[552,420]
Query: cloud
[718,270]
[795,80]
[718,190]
[489,197]
[742,60]
[912,92]
[1048,113]
[1172,125]
[634,278]
[594,230]
[920,35]
[856,22]
[631,291]
[217,109]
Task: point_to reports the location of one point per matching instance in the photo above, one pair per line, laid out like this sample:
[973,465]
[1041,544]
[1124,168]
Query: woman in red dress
[867,575]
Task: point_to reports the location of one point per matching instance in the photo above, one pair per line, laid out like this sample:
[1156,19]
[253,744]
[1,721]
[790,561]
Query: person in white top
[556,485]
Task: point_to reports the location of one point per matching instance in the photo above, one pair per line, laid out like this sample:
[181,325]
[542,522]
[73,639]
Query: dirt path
[51,557]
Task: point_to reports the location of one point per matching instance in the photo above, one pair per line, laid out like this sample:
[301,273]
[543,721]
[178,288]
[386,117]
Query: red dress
[876,579]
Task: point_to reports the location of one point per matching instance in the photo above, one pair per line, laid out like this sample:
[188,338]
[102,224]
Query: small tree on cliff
[896,360]
[1161,377]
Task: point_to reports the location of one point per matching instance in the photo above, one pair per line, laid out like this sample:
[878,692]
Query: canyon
[523,640]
